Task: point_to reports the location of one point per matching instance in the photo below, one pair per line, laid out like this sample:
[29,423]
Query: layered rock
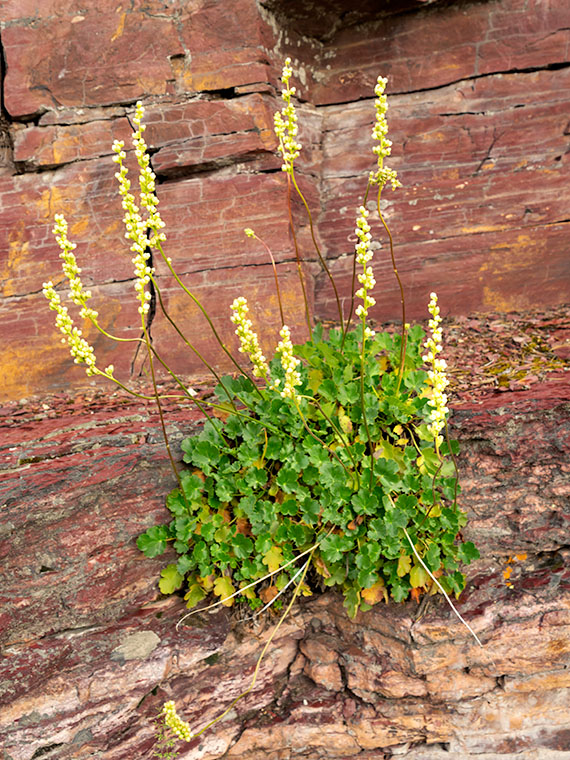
[91,649]
[478,117]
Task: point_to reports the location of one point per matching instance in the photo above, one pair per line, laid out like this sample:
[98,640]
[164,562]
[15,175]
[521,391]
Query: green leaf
[334,546]
[242,546]
[310,510]
[351,602]
[287,479]
[207,530]
[432,557]
[185,564]
[289,507]
[153,541]
[205,455]
[400,590]
[176,503]
[467,552]
[332,475]
[256,478]
[365,503]
[170,580]
[192,486]
[184,528]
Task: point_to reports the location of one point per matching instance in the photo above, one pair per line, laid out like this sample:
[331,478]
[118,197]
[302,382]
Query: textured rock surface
[478,115]
[90,648]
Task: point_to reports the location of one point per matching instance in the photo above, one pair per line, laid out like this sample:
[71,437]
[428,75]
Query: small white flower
[436,376]
[289,364]
[382,175]
[285,124]
[249,343]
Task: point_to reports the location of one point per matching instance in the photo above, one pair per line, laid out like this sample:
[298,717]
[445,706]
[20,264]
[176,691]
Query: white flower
[79,348]
[289,363]
[436,375]
[382,175]
[363,256]
[249,343]
[144,234]
[285,123]
[179,726]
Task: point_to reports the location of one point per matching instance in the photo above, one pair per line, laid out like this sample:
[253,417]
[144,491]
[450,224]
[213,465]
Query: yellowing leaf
[435,511]
[194,595]
[398,430]
[170,580]
[418,576]
[305,590]
[321,567]
[315,379]
[248,593]
[223,588]
[273,559]
[375,593]
[344,421]
[404,565]
[207,582]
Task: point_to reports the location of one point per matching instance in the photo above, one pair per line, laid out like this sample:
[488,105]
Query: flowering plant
[328,466]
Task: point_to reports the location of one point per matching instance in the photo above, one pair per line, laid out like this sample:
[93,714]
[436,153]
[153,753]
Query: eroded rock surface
[91,651]
[478,116]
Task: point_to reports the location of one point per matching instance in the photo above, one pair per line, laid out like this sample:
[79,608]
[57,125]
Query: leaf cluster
[271,477]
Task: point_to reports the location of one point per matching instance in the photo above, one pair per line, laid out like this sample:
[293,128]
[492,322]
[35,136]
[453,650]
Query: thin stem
[249,585]
[362,363]
[345,442]
[179,382]
[319,440]
[276,597]
[318,250]
[263,652]
[159,407]
[440,587]
[298,257]
[205,314]
[187,342]
[268,249]
[402,299]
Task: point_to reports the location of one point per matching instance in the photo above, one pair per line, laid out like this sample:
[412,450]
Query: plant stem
[319,440]
[205,314]
[365,421]
[440,587]
[268,249]
[263,652]
[402,299]
[318,250]
[298,257]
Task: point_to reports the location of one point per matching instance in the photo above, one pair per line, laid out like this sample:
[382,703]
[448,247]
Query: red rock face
[478,116]
[479,120]
[90,648]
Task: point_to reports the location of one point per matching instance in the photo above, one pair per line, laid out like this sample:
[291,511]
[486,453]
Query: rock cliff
[90,648]
[478,115]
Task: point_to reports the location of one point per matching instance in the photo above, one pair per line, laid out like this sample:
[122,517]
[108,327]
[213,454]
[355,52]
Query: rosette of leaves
[266,483]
